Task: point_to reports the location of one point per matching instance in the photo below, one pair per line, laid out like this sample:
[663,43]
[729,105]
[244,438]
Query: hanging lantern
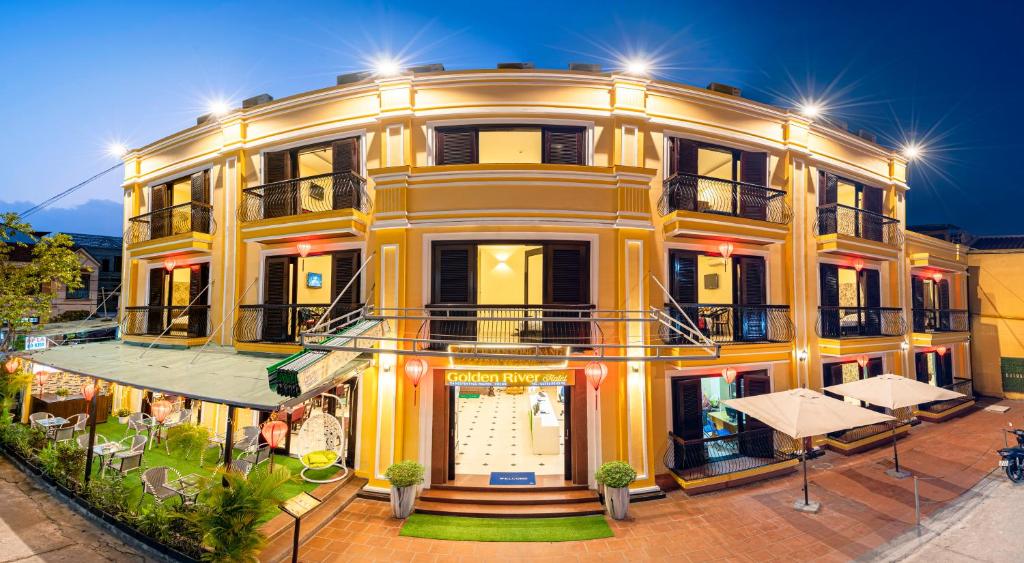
[169,264]
[862,361]
[726,249]
[274,432]
[89,390]
[42,377]
[596,374]
[303,248]
[729,374]
[160,410]
[941,350]
[858,264]
[415,369]
[12,364]
[937,276]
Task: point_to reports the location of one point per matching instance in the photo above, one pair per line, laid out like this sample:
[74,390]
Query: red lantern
[303,248]
[937,276]
[862,361]
[12,364]
[858,264]
[726,249]
[596,374]
[160,410]
[729,374]
[169,264]
[415,369]
[42,377]
[941,350]
[89,390]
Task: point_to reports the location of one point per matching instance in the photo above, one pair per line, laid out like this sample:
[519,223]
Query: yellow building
[531,229]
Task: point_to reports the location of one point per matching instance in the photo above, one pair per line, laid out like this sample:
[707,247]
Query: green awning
[217,374]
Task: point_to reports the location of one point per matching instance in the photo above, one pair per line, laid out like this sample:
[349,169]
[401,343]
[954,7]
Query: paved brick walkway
[862,509]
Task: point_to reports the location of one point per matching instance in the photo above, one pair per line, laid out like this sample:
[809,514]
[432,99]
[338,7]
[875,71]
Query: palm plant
[230,515]
[10,385]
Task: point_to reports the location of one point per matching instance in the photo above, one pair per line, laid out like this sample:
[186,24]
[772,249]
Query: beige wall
[997,315]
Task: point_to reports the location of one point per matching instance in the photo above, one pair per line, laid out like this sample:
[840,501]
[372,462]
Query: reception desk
[544,426]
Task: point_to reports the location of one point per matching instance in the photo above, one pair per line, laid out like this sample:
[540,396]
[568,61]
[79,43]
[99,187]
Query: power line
[68,191]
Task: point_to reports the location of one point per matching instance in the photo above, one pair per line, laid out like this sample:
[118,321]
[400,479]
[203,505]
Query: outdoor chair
[256,456]
[35,417]
[246,442]
[83,440]
[79,421]
[61,433]
[319,446]
[242,466]
[138,423]
[154,483]
[129,458]
[181,417]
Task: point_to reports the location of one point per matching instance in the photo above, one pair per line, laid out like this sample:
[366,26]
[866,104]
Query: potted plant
[405,477]
[616,477]
[63,392]
[122,415]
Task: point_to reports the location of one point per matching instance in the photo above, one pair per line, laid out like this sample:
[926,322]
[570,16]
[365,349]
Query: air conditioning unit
[435,67]
[724,89]
[515,66]
[585,67]
[256,100]
[354,77]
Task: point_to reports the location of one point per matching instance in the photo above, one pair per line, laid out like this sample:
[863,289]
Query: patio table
[50,422]
[106,449]
[187,486]
[151,424]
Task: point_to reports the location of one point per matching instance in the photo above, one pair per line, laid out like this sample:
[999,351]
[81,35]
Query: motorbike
[1013,458]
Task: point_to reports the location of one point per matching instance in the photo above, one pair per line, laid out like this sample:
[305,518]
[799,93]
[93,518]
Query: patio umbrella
[802,413]
[893,392]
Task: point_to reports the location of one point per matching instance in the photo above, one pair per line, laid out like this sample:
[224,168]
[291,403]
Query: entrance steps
[509,502]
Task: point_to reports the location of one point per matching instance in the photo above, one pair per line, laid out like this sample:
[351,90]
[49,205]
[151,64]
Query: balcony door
[935,369]
[836,373]
[167,218]
[298,290]
[319,172]
[850,302]
[841,201]
[724,297]
[717,179]
[178,301]
[931,304]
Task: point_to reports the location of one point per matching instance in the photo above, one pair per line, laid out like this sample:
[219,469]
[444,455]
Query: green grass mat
[460,528]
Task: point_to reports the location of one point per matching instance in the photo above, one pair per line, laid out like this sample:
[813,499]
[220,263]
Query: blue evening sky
[77,75]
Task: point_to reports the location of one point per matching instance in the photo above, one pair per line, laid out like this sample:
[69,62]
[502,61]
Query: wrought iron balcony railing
[690,192]
[326,192]
[941,320]
[569,325]
[721,455]
[848,322]
[191,217]
[903,417]
[964,386]
[836,218]
[174,321]
[280,323]
[727,324]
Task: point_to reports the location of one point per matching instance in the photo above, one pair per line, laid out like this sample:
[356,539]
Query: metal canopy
[512,332]
[218,375]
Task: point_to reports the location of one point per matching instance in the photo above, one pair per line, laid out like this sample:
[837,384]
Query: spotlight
[637,66]
[218,108]
[117,150]
[912,151]
[386,66]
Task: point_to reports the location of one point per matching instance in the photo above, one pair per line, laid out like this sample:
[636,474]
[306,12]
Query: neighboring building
[106,252]
[520,225]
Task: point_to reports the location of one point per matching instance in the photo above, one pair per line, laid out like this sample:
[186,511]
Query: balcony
[704,207]
[941,320]
[327,205]
[174,322]
[712,463]
[850,231]
[280,324]
[858,322]
[513,325]
[186,227]
[735,324]
[937,411]
[863,438]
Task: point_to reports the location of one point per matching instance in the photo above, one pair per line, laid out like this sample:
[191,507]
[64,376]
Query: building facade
[542,229]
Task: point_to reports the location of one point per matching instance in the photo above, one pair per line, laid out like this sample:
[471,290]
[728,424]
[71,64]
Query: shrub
[615,474]
[63,461]
[69,316]
[404,473]
[23,439]
[122,412]
[187,439]
[109,493]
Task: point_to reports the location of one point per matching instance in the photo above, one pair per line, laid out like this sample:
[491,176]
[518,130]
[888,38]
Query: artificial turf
[157,456]
[460,528]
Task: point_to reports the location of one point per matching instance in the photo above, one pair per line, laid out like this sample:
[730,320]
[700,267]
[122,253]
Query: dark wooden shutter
[688,423]
[828,195]
[683,276]
[683,165]
[945,376]
[829,313]
[345,161]
[566,283]
[276,296]
[563,145]
[757,439]
[454,283]
[200,212]
[917,300]
[832,374]
[872,301]
[344,266]
[198,293]
[160,220]
[753,201]
[156,314]
[943,305]
[280,200]
[871,223]
[921,367]
[751,316]
[456,145]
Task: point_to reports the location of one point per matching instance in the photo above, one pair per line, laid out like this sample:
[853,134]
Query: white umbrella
[802,413]
[893,392]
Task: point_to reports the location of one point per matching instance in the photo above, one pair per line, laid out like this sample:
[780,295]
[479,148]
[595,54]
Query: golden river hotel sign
[509,378]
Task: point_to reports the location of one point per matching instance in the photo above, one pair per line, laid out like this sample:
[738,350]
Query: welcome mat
[513,478]
[461,528]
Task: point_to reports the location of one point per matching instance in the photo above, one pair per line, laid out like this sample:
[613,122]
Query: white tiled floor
[494,435]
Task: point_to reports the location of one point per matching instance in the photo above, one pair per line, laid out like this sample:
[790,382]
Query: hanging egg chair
[319,446]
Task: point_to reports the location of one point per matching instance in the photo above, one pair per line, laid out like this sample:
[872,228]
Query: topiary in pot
[122,415]
[616,477]
[405,477]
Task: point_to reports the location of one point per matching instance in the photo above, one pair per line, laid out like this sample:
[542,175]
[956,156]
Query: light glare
[912,151]
[117,150]
[386,66]
[637,66]
[218,108]
[810,109]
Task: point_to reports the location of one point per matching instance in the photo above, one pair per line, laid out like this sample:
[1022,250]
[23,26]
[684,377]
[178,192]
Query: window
[105,265]
[850,302]
[716,163]
[510,144]
[725,297]
[82,292]
[341,156]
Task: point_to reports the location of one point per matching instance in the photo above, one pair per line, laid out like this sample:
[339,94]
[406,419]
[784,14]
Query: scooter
[1013,458]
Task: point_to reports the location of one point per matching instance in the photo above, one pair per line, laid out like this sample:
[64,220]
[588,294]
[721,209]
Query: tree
[26,288]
